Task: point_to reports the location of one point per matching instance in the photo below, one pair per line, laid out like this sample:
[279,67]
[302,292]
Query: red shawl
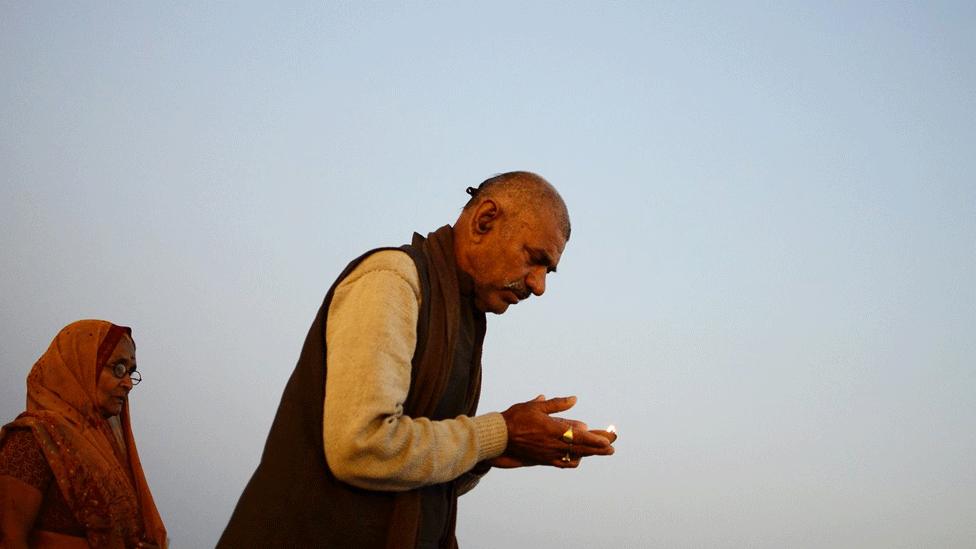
[103,485]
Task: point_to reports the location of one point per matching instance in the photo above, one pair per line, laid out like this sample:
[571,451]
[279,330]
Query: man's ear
[485,217]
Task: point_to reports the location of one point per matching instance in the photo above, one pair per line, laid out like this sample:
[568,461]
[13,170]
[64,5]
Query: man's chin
[497,306]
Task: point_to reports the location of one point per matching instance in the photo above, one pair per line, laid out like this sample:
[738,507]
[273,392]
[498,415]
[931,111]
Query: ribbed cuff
[492,435]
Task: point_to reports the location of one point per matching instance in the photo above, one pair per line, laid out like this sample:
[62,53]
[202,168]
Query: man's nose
[536,281]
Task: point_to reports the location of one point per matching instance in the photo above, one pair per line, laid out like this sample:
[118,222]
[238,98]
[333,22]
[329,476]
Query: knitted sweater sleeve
[370,335]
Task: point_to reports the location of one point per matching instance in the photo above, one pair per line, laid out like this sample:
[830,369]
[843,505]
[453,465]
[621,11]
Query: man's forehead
[544,232]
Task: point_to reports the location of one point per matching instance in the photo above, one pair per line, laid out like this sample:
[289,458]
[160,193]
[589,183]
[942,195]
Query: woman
[70,475]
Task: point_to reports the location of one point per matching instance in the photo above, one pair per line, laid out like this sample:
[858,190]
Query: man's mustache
[520,289]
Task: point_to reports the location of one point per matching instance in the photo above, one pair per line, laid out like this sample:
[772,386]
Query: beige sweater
[370,336]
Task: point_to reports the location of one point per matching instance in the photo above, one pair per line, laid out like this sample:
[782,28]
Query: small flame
[611,429]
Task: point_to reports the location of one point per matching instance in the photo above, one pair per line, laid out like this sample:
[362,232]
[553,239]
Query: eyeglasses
[119,370]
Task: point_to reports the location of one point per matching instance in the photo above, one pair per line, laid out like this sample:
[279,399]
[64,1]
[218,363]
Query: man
[395,355]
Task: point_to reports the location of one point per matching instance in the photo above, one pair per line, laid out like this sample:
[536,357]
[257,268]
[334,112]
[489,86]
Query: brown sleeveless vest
[293,499]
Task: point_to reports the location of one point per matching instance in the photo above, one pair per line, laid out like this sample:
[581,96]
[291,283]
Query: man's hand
[535,438]
[609,435]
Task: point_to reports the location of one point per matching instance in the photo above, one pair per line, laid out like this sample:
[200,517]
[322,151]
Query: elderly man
[377,433]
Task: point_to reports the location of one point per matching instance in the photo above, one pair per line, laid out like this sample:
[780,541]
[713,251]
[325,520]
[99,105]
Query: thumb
[539,398]
[559,404]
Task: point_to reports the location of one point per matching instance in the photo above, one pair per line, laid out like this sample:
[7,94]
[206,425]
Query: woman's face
[112,392]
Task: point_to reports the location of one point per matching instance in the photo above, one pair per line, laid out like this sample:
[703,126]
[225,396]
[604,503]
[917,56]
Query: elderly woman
[70,475]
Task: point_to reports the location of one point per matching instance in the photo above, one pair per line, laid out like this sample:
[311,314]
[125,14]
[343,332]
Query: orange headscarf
[103,484]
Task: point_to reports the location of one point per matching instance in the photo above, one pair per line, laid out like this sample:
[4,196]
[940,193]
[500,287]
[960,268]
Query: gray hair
[529,191]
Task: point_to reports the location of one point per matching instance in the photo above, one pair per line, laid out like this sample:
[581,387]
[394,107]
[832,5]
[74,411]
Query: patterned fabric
[103,486]
[22,459]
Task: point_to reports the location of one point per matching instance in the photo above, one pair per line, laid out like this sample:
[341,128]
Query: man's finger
[612,437]
[586,451]
[577,425]
[574,463]
[590,439]
[558,404]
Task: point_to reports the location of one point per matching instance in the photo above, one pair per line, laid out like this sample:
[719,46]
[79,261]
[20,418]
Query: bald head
[522,193]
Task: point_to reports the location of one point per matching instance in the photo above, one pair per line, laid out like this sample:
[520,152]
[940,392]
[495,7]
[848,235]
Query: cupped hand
[536,438]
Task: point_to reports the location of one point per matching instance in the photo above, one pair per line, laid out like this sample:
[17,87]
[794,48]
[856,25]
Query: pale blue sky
[769,289]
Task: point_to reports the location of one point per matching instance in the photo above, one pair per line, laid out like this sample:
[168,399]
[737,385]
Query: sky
[769,288]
